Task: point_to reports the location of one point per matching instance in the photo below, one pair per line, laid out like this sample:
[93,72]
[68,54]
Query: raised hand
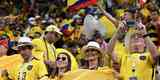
[122,28]
[142,28]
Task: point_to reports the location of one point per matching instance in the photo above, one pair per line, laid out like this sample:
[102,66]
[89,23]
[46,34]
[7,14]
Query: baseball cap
[23,41]
[53,28]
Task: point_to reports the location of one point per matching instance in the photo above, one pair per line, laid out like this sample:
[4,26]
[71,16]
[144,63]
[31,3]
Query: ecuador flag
[71,2]
[81,4]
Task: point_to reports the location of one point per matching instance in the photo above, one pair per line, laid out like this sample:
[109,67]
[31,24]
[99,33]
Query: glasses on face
[25,47]
[62,58]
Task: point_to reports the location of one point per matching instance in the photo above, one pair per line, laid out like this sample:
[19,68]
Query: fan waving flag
[81,4]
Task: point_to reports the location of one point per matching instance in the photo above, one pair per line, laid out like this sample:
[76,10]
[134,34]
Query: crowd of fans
[47,38]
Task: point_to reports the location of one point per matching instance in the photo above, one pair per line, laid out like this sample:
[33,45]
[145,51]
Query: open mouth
[59,62]
[91,60]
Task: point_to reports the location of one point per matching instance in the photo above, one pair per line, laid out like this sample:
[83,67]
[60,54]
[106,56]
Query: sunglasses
[62,58]
[25,47]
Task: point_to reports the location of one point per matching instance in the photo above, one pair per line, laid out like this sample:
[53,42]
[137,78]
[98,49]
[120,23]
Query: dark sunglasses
[25,47]
[63,58]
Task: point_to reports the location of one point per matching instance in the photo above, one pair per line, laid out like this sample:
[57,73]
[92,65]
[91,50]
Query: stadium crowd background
[35,18]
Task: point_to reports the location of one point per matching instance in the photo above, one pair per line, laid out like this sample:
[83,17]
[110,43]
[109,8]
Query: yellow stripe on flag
[71,2]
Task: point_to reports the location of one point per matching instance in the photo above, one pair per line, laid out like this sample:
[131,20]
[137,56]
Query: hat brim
[85,48]
[60,33]
[20,45]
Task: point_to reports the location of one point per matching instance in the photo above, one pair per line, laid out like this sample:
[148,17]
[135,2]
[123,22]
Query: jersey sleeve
[42,70]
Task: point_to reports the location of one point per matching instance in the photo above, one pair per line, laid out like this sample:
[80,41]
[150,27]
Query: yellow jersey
[136,66]
[33,70]
[43,50]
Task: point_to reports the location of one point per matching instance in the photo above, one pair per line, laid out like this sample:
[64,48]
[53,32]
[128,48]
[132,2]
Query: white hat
[53,28]
[92,45]
[24,41]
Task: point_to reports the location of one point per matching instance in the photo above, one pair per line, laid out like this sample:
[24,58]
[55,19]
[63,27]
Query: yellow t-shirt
[33,70]
[136,65]
[40,50]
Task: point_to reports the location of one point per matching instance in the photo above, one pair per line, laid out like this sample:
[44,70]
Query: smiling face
[62,61]
[25,51]
[92,58]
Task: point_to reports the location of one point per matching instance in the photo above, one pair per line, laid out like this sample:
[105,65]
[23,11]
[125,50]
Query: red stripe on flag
[85,4]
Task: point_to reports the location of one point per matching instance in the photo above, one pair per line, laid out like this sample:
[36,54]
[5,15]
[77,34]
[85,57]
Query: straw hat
[92,45]
[96,46]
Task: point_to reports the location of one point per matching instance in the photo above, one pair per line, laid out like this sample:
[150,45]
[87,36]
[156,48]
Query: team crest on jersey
[29,67]
[142,57]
